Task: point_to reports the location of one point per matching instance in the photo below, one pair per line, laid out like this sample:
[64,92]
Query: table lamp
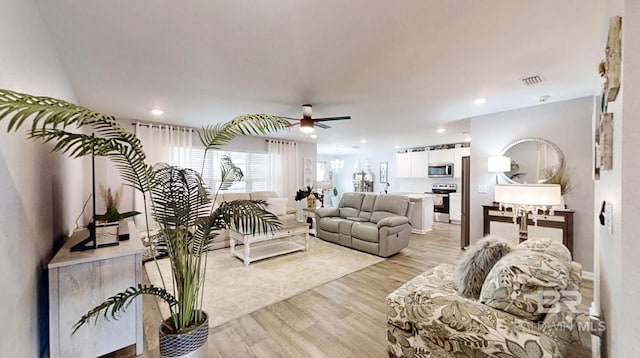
[498,164]
[527,198]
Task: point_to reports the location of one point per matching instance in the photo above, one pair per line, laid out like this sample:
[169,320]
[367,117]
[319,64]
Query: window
[254,166]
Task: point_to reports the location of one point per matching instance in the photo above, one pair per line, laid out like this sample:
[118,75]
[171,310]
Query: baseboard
[587,275]
[420,232]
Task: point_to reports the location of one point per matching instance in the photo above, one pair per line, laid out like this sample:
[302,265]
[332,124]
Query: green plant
[335,191]
[559,176]
[112,203]
[181,202]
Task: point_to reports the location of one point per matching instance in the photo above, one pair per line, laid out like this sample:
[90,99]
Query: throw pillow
[521,278]
[277,206]
[546,246]
[476,264]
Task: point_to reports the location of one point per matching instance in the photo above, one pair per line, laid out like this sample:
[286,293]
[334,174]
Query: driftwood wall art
[609,70]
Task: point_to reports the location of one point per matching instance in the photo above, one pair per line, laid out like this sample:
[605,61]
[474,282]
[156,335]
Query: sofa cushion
[263,195]
[476,263]
[389,205]
[331,224]
[277,206]
[365,231]
[367,207]
[234,196]
[350,204]
[517,281]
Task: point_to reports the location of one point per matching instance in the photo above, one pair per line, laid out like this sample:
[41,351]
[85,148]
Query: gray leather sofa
[377,224]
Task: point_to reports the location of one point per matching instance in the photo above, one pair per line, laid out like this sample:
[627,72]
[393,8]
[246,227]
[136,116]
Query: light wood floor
[343,318]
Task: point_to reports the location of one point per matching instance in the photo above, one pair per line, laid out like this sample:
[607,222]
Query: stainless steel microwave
[440,170]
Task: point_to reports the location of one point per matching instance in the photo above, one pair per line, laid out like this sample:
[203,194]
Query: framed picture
[383,172]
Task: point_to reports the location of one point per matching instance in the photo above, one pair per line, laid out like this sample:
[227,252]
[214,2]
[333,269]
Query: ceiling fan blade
[331,118]
[321,125]
[294,124]
[289,118]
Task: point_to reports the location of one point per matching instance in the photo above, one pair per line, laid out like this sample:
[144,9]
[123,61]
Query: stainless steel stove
[441,201]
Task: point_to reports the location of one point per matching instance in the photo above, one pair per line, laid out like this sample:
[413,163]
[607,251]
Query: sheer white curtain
[285,168]
[163,144]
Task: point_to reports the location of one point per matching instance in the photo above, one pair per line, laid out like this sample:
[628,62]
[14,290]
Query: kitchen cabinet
[455,207]
[412,164]
[440,156]
[403,165]
[419,164]
[457,164]
[558,226]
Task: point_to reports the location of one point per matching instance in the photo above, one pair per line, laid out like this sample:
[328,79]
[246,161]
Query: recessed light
[313,136]
[157,112]
[363,141]
[480,100]
[396,147]
[468,139]
[441,130]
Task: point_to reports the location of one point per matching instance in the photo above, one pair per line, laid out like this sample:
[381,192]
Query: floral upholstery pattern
[427,318]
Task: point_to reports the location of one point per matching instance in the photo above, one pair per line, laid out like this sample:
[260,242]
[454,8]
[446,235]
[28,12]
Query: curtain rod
[157,125]
[281,141]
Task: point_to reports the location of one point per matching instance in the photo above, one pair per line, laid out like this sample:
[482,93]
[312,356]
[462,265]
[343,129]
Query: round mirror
[533,160]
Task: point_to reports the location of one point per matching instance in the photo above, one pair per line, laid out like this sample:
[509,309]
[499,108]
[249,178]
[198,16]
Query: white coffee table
[283,242]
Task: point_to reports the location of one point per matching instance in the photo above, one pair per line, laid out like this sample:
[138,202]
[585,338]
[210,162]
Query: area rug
[233,290]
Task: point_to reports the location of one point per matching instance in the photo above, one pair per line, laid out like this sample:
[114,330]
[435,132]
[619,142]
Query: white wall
[568,125]
[41,192]
[617,253]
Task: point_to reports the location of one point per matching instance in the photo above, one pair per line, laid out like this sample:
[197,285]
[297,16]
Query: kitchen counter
[422,218]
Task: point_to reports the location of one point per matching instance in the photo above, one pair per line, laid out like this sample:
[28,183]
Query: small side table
[310,214]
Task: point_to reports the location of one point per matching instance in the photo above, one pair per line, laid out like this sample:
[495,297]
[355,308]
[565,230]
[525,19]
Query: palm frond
[230,173]
[180,198]
[119,302]
[246,216]
[216,136]
[49,118]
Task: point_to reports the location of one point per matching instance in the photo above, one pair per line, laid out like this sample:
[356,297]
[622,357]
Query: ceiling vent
[532,80]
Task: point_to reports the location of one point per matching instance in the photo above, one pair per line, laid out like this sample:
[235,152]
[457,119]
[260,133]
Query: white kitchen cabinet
[403,165]
[457,164]
[455,207]
[440,156]
[412,164]
[419,164]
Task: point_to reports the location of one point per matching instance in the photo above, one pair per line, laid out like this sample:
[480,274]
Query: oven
[440,194]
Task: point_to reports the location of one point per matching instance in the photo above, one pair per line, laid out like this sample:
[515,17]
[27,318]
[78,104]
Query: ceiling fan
[307,123]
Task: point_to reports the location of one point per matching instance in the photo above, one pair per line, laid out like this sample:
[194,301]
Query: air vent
[532,80]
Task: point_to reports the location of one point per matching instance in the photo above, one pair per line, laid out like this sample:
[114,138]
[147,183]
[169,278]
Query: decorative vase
[192,344]
[311,201]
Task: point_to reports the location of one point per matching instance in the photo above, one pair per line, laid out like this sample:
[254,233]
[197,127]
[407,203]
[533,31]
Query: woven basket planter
[192,344]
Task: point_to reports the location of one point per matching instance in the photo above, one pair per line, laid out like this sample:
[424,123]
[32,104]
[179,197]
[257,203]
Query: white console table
[79,281]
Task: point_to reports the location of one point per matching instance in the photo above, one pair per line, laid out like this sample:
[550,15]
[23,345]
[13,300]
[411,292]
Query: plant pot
[192,344]
[106,233]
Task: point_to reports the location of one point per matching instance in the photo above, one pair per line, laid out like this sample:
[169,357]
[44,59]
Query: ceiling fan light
[306,129]
[306,110]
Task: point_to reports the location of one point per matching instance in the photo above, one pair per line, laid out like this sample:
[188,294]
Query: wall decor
[605,144]
[596,154]
[384,170]
[610,68]
[307,172]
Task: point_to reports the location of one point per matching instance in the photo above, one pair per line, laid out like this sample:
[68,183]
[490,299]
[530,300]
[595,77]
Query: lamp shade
[499,164]
[528,194]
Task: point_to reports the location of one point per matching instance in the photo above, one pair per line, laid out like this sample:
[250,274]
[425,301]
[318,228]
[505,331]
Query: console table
[81,280]
[558,226]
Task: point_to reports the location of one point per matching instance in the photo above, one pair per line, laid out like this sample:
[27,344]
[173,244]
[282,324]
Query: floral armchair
[427,318]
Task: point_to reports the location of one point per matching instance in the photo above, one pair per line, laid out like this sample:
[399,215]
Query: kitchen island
[422,218]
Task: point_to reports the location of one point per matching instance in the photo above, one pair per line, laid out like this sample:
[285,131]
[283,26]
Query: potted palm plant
[181,203]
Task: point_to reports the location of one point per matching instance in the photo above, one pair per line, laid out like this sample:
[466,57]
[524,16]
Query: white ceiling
[399,68]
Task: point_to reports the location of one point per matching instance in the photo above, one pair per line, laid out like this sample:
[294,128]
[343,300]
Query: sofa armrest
[393,221]
[324,212]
